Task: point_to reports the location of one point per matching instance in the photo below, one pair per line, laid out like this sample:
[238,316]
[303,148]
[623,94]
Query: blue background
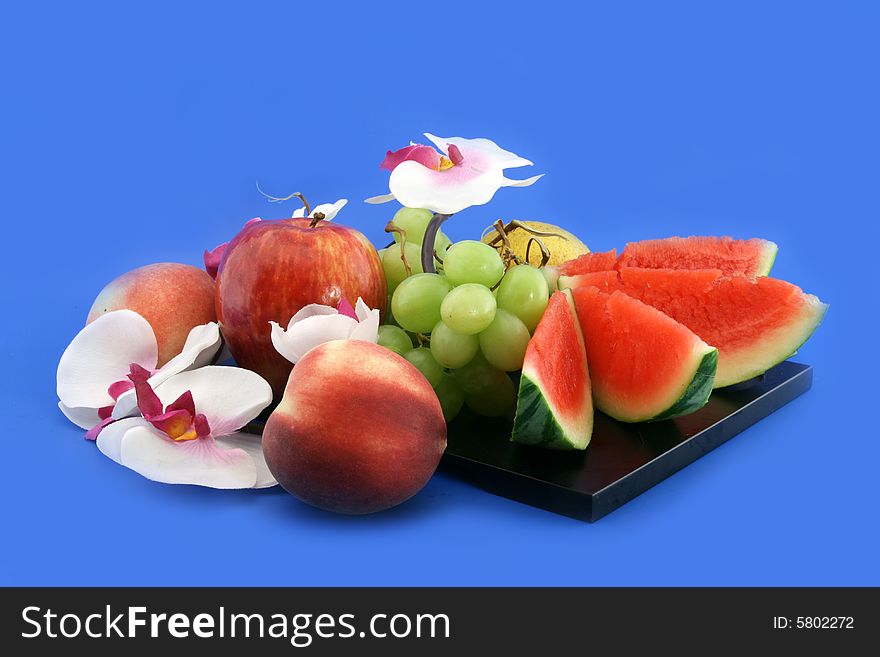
[135,134]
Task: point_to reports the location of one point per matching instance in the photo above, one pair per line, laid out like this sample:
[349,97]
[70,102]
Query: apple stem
[281,199]
[319,216]
[428,242]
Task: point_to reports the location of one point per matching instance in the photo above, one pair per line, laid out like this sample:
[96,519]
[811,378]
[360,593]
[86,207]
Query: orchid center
[179,420]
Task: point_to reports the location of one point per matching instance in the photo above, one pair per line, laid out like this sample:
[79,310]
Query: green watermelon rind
[535,423]
[807,325]
[696,395]
[768,258]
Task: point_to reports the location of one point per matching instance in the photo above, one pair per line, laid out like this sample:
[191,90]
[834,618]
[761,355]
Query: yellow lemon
[562,248]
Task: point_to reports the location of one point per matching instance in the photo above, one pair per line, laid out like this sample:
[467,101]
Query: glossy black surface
[622,460]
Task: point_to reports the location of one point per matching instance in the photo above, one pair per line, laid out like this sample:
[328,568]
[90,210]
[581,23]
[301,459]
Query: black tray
[622,460]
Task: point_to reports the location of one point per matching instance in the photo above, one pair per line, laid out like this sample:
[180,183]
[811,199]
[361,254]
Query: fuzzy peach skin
[172,297]
[358,430]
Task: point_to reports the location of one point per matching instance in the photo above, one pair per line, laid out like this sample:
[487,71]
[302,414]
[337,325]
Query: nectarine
[172,297]
[358,430]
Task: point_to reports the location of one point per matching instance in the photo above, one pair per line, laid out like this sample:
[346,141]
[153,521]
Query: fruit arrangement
[353,359]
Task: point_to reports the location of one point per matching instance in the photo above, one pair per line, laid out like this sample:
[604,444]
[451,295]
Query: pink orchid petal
[147,400]
[105,412]
[201,462]
[424,155]
[119,387]
[202,344]
[455,155]
[183,403]
[229,397]
[173,424]
[214,257]
[487,152]
[92,434]
[200,423]
[345,308]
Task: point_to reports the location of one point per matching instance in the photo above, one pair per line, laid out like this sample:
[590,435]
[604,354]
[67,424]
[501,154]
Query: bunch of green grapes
[466,326]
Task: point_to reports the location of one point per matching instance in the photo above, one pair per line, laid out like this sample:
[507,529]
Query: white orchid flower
[92,379]
[316,324]
[329,210]
[189,430]
[466,172]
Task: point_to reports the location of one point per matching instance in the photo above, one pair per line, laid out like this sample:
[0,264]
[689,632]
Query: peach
[358,430]
[172,297]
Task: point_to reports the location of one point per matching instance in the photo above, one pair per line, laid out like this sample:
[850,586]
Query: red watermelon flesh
[751,257]
[589,262]
[643,364]
[555,406]
[754,323]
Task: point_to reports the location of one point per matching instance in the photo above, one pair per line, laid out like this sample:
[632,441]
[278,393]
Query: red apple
[273,268]
[172,297]
[359,429]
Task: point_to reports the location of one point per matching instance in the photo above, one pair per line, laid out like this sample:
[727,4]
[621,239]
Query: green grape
[395,339]
[441,243]
[524,292]
[423,360]
[413,222]
[468,308]
[494,401]
[478,375]
[504,343]
[392,263]
[473,262]
[416,301]
[451,397]
[452,349]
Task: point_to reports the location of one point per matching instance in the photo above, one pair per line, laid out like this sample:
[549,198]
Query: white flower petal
[254,447]
[201,462]
[507,182]
[312,310]
[361,309]
[382,198]
[307,333]
[202,344]
[367,329]
[110,439]
[486,149]
[100,355]
[230,397]
[330,210]
[446,192]
[282,346]
[84,418]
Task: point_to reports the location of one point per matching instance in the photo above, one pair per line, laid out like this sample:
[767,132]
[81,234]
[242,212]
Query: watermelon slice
[555,405]
[584,264]
[755,323]
[644,365]
[752,257]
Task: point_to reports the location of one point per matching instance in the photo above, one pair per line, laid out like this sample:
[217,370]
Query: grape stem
[391,227]
[507,252]
[428,242]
